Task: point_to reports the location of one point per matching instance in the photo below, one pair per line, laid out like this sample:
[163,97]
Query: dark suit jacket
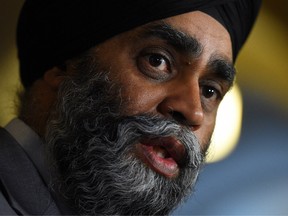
[22,190]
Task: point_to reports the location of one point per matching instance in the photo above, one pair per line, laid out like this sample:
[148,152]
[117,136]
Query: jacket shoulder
[22,188]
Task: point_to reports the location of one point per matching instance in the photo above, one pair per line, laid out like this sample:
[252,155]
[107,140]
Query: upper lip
[172,145]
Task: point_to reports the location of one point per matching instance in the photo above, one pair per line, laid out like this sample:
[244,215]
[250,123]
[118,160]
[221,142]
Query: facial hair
[92,148]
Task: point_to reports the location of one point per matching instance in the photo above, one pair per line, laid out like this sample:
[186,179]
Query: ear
[54,76]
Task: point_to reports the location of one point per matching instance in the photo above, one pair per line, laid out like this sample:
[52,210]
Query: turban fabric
[50,32]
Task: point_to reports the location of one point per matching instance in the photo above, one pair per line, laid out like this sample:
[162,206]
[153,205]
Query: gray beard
[91,147]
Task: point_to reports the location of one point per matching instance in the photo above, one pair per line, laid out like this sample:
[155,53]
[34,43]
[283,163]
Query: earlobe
[54,76]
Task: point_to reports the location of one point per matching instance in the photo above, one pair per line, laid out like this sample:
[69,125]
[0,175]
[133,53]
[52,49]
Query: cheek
[138,95]
[205,132]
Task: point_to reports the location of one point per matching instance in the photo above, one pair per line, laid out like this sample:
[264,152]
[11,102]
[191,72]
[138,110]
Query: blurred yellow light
[228,126]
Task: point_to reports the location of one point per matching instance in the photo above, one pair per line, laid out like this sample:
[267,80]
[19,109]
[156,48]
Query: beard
[92,148]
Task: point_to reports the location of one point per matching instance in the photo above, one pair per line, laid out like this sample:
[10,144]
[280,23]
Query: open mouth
[165,155]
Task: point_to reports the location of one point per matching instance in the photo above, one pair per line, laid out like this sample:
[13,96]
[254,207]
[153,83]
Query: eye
[211,97]
[155,64]
[158,62]
[210,92]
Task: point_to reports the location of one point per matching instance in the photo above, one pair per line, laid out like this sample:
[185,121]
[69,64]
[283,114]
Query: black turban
[53,31]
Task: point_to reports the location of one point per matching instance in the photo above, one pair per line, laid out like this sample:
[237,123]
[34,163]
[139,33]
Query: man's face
[178,69]
[130,130]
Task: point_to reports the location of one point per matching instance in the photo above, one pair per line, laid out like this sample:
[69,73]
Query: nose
[183,104]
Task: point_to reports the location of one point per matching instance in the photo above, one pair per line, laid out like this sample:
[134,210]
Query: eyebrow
[179,40]
[222,68]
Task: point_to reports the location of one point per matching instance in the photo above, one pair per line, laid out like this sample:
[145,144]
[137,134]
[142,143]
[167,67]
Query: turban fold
[50,32]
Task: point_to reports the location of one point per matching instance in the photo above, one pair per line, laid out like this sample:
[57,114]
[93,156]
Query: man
[119,104]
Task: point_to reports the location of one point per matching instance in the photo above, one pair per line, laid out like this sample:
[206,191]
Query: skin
[156,76]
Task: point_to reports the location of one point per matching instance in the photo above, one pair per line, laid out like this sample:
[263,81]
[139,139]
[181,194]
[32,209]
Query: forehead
[213,38]
[201,26]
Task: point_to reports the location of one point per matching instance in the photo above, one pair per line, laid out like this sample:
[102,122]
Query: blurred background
[253,178]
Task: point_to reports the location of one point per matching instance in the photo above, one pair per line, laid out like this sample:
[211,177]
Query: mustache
[132,129]
[154,127]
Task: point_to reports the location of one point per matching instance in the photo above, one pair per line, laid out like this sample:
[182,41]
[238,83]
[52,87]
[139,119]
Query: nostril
[179,117]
